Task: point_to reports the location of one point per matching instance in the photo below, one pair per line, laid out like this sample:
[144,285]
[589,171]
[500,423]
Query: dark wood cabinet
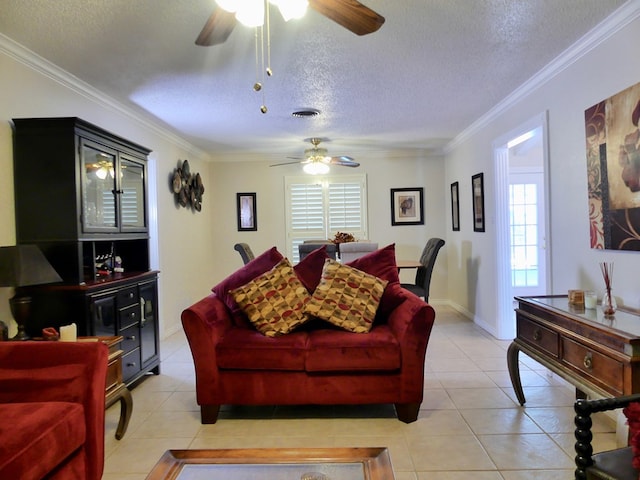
[81,196]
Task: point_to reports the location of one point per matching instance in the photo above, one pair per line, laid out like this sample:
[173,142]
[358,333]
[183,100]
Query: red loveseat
[52,401]
[316,364]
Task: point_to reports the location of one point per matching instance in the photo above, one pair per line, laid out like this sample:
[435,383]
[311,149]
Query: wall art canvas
[613,171]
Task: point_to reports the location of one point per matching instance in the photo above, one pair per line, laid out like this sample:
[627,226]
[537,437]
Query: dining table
[408,264]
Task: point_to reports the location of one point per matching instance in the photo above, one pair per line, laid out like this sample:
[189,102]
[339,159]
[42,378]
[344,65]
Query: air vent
[306,113]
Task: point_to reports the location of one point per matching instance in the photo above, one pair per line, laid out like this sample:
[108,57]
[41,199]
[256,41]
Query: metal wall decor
[187,187]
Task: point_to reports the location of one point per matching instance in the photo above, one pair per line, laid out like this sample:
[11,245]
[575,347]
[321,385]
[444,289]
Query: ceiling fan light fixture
[250,13]
[316,167]
[291,9]
[306,113]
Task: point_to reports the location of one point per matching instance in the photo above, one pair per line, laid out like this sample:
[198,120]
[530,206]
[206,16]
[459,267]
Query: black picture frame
[455,206]
[247,212]
[477,191]
[407,206]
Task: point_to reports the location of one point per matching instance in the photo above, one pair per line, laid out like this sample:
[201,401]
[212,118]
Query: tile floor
[469,424]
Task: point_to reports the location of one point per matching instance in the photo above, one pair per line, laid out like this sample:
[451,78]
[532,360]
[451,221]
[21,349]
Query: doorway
[522,254]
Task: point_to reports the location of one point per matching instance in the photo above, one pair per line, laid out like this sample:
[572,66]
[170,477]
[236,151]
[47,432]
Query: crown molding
[615,22]
[44,67]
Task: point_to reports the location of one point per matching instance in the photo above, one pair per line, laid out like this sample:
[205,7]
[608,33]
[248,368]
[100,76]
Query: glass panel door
[132,194]
[98,188]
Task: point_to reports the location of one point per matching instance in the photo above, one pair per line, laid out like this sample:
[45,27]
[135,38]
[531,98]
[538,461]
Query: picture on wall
[247,215]
[406,206]
[455,208]
[613,171]
[477,187]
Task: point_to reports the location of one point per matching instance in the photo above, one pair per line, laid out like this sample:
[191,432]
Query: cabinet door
[149,320]
[98,170]
[103,313]
[132,195]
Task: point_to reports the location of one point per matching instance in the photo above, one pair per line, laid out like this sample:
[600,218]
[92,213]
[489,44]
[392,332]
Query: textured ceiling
[433,68]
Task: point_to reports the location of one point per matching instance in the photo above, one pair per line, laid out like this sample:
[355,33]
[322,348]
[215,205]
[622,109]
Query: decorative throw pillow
[309,269]
[262,263]
[380,263]
[274,301]
[632,412]
[346,297]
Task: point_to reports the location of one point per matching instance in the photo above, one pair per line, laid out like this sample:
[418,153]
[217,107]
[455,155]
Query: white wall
[383,173]
[600,73]
[184,238]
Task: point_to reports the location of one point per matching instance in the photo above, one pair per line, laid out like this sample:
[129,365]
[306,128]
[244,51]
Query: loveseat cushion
[337,350]
[346,297]
[274,301]
[247,349]
[38,436]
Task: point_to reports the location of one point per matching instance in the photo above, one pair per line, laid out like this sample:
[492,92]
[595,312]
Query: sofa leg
[209,413]
[407,412]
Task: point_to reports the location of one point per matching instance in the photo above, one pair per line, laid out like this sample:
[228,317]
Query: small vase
[609,304]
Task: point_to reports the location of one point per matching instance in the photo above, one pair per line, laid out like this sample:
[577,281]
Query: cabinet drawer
[130,364]
[130,338]
[129,316]
[599,367]
[127,296]
[114,372]
[538,336]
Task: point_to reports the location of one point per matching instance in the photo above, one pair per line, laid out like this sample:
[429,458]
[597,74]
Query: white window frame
[324,220]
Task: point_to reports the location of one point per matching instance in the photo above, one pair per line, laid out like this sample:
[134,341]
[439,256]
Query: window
[318,207]
[524,234]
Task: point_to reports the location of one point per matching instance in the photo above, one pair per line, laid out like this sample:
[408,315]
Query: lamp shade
[24,265]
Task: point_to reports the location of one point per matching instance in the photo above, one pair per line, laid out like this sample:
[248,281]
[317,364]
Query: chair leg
[209,413]
[407,412]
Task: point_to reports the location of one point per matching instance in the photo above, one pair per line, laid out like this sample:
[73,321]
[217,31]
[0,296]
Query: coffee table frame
[375,461]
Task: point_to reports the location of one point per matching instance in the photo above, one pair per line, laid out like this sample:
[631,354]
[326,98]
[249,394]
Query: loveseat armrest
[205,323]
[411,321]
[63,372]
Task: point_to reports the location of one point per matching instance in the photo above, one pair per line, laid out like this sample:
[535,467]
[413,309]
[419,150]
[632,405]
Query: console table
[593,352]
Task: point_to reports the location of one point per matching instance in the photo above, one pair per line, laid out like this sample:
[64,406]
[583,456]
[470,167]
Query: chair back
[306,248]
[351,250]
[245,252]
[428,260]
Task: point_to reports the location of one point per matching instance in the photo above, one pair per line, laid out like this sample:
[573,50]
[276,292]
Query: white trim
[615,22]
[66,79]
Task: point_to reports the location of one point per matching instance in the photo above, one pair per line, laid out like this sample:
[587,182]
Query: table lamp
[22,266]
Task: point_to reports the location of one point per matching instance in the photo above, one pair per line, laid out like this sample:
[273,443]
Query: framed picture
[406,206]
[455,207]
[247,215]
[477,187]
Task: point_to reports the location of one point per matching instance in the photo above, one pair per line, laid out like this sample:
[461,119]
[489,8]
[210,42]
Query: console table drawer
[599,367]
[541,337]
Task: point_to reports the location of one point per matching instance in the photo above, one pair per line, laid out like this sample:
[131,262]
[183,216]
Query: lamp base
[20,308]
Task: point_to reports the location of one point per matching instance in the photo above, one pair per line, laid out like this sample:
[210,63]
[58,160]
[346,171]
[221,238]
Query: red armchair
[54,394]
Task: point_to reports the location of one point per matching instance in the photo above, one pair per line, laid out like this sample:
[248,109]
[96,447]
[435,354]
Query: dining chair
[351,250]
[423,273]
[614,464]
[245,252]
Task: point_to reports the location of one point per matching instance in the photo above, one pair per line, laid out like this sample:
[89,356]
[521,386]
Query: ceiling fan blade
[351,14]
[285,163]
[217,29]
[343,161]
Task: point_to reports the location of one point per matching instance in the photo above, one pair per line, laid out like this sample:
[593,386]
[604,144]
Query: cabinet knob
[588,361]
[132,364]
[132,315]
[537,335]
[132,337]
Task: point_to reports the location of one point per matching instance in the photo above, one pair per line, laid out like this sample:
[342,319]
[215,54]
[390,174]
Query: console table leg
[126,407]
[514,371]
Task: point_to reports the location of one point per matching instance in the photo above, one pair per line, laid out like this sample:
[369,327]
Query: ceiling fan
[350,14]
[316,161]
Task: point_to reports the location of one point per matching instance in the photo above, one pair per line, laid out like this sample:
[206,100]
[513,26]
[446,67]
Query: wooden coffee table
[275,464]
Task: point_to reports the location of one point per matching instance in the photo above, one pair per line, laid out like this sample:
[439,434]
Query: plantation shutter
[318,207]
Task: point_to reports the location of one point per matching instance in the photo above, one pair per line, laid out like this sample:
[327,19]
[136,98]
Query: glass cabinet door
[98,188]
[132,194]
